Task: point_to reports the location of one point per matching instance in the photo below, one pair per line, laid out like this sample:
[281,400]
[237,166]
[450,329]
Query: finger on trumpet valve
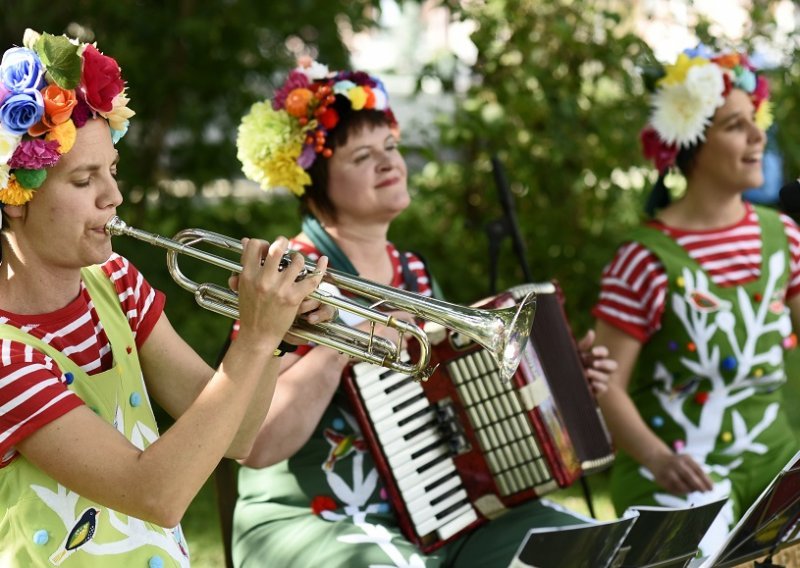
[307,274]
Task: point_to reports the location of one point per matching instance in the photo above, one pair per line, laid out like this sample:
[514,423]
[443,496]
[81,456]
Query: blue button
[729,363]
[136,399]
[41,537]
[69,378]
[155,562]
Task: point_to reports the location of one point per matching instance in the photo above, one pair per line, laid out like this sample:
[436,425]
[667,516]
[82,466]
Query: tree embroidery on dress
[702,321]
[356,508]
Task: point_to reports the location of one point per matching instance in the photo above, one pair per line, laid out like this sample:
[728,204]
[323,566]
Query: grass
[202,530]
[201,523]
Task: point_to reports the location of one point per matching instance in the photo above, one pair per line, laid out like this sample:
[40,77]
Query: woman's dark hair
[349,123]
[659,196]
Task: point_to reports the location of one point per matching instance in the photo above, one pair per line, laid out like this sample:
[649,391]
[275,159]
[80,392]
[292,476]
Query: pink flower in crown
[82,111]
[761,91]
[295,80]
[653,148]
[360,78]
[34,154]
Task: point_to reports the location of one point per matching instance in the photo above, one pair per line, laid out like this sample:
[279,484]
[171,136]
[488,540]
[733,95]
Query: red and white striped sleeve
[632,291]
[141,303]
[793,235]
[33,392]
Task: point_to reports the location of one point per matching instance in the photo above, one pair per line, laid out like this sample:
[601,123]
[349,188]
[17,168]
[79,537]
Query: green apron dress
[46,524]
[708,383]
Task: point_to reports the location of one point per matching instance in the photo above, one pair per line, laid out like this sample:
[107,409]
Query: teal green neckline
[327,246]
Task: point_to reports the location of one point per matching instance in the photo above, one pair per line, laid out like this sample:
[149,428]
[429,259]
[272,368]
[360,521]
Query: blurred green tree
[557,97]
[558,94]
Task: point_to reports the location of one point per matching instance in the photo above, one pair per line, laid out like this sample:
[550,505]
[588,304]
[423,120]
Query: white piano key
[415,482]
[432,523]
[462,513]
[440,452]
[424,501]
[465,517]
[394,414]
[378,388]
[405,392]
[403,454]
[437,509]
[366,374]
[389,435]
[438,475]
[430,430]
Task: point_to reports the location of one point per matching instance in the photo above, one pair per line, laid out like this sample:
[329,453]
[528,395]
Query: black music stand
[769,525]
[664,537]
[591,545]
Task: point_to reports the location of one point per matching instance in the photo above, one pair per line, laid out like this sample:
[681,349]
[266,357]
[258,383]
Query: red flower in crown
[101,80]
[663,155]
[762,90]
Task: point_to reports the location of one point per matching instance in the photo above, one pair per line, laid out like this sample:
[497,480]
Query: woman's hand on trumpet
[272,295]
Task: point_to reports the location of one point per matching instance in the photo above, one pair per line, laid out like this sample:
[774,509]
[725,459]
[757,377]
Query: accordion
[463,447]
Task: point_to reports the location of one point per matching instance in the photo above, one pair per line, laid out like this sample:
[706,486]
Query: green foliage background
[557,95]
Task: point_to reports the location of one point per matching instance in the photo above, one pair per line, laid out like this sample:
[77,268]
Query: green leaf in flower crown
[61,59]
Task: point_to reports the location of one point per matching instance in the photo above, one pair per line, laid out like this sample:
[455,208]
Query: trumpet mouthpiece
[115,226]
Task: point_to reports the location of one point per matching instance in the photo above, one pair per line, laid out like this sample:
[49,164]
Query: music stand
[665,537]
[769,525]
[592,545]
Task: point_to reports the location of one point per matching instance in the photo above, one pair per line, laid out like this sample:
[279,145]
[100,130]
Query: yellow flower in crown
[676,73]
[279,140]
[14,194]
[764,115]
[269,144]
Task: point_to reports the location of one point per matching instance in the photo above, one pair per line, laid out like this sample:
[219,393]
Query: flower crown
[279,140]
[49,88]
[688,95]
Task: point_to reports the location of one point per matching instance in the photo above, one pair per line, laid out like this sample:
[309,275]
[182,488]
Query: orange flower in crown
[48,88]
[279,140]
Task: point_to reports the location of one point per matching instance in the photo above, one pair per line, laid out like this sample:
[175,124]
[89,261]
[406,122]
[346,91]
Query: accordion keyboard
[418,451]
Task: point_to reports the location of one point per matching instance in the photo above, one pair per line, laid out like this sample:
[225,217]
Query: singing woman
[698,308]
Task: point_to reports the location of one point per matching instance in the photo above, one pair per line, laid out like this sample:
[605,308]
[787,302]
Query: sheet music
[770,523]
[665,536]
[590,545]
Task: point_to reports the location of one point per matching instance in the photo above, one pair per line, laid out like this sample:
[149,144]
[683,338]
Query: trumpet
[502,332]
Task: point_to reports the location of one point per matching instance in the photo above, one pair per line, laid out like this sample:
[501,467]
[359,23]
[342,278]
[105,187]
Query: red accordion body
[461,448]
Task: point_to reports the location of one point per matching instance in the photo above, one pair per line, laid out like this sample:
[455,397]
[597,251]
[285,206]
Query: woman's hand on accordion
[597,362]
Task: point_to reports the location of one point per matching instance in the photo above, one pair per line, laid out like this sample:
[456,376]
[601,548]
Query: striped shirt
[33,390]
[634,284]
[415,266]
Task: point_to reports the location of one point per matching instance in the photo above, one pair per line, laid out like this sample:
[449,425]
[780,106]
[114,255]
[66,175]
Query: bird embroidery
[81,533]
[341,445]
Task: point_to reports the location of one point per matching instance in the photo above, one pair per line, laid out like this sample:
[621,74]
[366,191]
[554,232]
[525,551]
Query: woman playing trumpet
[85,479]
